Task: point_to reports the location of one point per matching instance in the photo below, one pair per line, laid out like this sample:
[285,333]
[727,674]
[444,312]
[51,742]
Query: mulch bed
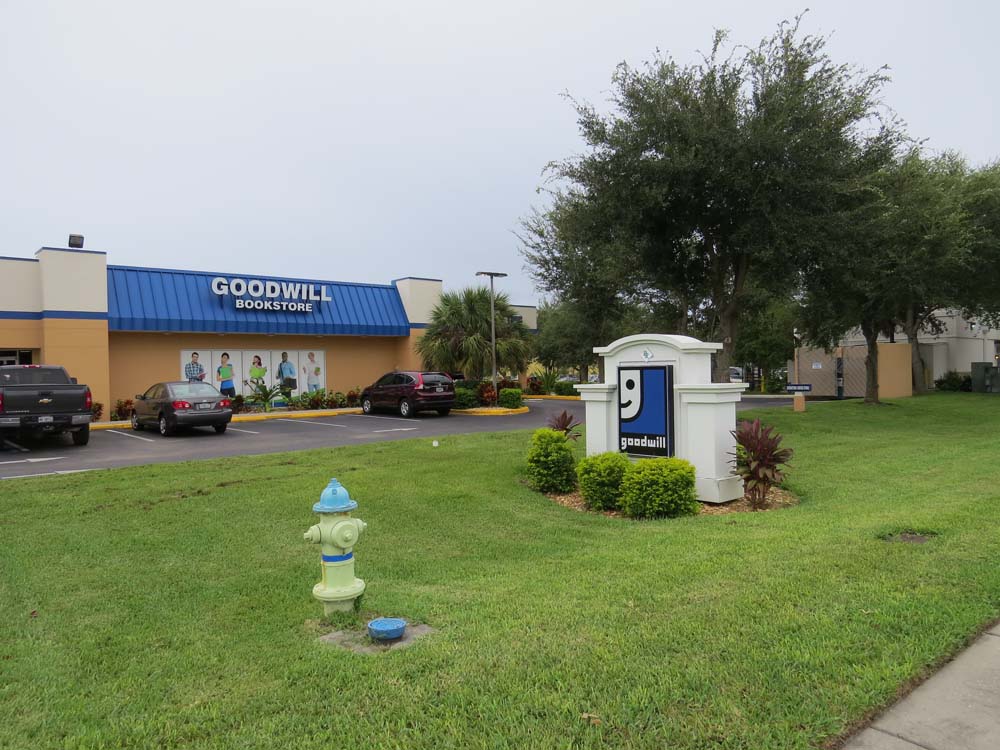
[777,499]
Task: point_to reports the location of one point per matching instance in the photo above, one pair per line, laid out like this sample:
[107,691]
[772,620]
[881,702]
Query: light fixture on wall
[76,240]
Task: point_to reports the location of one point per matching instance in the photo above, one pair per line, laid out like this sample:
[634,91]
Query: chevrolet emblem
[45,400]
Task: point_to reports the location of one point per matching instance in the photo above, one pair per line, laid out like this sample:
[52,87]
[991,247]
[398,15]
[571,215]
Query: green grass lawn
[173,600]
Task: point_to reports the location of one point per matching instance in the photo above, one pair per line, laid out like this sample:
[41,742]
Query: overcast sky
[370,140]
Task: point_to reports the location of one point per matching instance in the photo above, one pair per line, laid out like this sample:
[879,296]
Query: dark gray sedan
[169,406]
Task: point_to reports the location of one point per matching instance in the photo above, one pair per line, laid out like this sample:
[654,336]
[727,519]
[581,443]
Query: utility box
[985,378]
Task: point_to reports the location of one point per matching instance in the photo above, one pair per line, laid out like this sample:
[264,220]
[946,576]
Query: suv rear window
[35,376]
[435,378]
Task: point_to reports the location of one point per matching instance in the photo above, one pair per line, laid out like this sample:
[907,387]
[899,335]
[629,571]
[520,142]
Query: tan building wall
[819,369]
[21,334]
[81,346]
[140,359]
[21,285]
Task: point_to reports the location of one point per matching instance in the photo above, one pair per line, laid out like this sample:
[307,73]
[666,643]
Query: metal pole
[493,335]
[493,321]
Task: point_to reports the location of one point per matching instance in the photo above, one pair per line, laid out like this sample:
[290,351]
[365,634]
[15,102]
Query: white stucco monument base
[658,398]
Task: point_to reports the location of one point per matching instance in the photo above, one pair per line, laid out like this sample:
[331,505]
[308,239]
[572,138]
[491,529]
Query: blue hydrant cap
[334,499]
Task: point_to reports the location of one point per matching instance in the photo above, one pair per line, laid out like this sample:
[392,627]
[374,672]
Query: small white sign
[817,365]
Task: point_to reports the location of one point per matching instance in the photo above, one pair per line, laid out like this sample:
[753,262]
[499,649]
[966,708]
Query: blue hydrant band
[337,558]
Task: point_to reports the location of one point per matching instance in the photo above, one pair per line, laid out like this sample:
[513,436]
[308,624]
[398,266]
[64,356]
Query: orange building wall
[140,359]
[20,334]
[81,346]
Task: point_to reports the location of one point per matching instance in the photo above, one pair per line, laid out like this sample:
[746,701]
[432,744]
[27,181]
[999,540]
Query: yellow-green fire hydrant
[337,532]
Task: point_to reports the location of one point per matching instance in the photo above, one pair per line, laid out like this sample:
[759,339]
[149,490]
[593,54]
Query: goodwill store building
[119,329]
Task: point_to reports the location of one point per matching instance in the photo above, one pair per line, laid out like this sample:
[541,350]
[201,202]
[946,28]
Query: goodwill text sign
[645,410]
[281,296]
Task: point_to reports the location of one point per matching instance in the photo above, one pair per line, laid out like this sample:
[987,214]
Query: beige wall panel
[21,286]
[140,359]
[895,371]
[419,297]
[529,316]
[20,334]
[73,281]
[81,346]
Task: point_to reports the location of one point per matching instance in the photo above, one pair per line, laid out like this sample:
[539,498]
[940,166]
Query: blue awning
[154,299]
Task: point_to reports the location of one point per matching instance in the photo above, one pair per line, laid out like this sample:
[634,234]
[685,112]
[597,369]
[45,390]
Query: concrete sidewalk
[956,709]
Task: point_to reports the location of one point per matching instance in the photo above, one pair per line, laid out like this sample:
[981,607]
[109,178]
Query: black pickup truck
[43,399]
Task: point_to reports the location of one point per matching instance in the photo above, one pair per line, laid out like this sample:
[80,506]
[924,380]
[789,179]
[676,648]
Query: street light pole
[493,322]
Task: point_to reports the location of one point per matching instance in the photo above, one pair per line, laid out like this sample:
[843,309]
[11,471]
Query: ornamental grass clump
[659,488]
[551,464]
[600,479]
[759,456]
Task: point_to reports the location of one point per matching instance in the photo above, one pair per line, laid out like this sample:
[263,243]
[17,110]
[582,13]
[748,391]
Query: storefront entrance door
[8,358]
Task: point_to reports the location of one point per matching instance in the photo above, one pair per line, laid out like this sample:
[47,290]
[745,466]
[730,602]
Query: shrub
[548,380]
[97,411]
[565,423]
[534,386]
[658,487]
[239,404]
[487,396]
[123,409]
[600,479]
[565,389]
[551,462]
[354,396]
[758,458]
[954,381]
[510,398]
[465,399]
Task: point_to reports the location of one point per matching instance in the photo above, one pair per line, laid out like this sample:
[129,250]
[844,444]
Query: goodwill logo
[645,410]
[283,296]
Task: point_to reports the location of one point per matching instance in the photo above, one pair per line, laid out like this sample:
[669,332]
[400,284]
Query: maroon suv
[410,392]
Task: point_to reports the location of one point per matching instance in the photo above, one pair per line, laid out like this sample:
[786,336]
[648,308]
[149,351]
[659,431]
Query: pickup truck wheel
[81,436]
[165,428]
[136,424]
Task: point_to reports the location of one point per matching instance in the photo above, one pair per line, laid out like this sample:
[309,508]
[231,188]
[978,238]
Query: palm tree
[458,336]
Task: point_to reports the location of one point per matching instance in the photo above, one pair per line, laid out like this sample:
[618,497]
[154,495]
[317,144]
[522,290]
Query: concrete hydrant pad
[359,642]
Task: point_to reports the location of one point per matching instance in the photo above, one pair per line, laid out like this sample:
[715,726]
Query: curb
[529,396]
[247,417]
[485,411]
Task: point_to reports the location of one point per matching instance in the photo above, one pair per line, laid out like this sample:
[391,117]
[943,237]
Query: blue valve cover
[386,628]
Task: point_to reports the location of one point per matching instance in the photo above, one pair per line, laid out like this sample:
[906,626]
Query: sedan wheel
[136,424]
[164,426]
[366,405]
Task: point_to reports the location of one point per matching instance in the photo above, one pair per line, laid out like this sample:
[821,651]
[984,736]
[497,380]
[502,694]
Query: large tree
[706,178]
[458,338]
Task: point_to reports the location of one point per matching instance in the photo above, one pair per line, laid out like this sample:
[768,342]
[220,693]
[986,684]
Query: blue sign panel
[645,410]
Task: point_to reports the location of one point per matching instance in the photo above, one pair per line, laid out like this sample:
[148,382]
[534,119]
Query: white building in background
[961,343]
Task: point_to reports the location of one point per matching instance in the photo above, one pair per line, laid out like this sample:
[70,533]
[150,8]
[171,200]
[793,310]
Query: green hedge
[551,464]
[566,389]
[466,399]
[511,398]
[600,479]
[658,487]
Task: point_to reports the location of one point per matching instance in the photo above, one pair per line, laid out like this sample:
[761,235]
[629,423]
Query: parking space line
[15,446]
[47,474]
[397,429]
[375,416]
[307,421]
[248,432]
[129,434]
[32,460]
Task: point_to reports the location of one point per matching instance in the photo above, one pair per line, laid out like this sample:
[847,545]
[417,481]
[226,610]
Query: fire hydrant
[337,532]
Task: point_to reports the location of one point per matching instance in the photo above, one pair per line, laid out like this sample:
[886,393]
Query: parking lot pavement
[116,447]
[123,447]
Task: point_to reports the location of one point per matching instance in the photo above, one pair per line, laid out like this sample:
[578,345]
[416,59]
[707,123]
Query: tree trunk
[600,370]
[728,324]
[870,330]
[584,373]
[911,327]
